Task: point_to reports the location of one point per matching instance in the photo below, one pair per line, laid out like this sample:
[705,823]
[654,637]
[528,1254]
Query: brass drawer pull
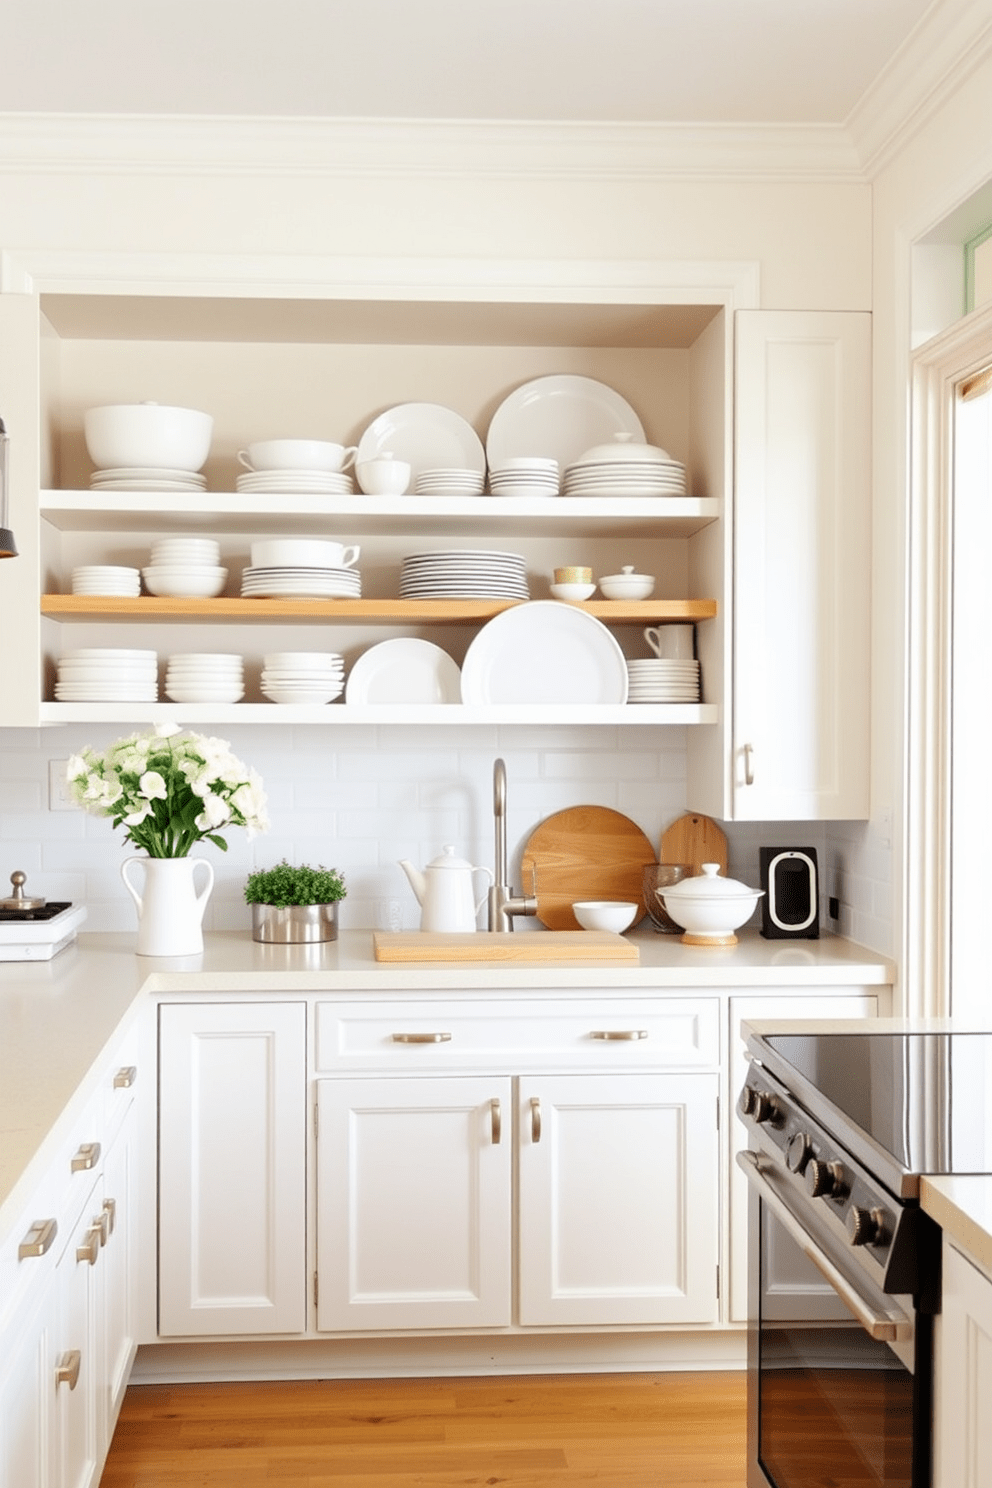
[125,1077]
[496,1114]
[421,1038]
[67,1369]
[90,1248]
[87,1157]
[38,1239]
[535,1118]
[619,1035]
[110,1214]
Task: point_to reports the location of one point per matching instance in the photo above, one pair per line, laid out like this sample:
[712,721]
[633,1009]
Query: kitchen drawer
[615,1033]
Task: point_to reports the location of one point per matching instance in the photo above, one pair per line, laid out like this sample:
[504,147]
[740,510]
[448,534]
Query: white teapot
[445,892]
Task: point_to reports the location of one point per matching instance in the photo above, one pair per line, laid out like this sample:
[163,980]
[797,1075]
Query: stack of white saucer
[525,475]
[106,579]
[657,680]
[450,482]
[205,677]
[99,674]
[146,478]
[303,676]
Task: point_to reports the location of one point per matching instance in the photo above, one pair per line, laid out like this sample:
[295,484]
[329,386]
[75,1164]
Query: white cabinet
[619,1221]
[802,546]
[27,1401]
[232,1165]
[963,1375]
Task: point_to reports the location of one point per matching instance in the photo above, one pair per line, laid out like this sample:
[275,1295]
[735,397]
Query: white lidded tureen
[708,907]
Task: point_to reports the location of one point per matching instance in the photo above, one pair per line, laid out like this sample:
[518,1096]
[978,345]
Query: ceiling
[803,62]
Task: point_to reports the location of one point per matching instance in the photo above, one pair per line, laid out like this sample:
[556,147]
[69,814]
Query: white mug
[672,642]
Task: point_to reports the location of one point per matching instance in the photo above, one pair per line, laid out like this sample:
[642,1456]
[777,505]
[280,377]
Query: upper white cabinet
[802,547]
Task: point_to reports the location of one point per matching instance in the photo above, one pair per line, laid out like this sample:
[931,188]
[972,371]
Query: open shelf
[387,611]
[435,714]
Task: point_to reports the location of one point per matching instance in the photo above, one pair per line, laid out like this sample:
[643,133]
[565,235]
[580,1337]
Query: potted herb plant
[294,904]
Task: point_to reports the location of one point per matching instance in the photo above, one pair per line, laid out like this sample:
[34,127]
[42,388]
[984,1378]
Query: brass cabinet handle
[90,1248]
[496,1115]
[619,1035]
[38,1239]
[535,1119]
[421,1038]
[125,1077]
[102,1225]
[110,1214]
[67,1369]
[86,1157]
[748,767]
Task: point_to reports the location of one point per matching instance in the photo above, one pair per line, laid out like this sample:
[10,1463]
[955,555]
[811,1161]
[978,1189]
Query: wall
[223,194]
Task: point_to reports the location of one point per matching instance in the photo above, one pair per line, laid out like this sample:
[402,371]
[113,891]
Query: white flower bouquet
[170,789]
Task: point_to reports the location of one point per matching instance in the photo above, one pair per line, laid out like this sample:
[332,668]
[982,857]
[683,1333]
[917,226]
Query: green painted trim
[970,249]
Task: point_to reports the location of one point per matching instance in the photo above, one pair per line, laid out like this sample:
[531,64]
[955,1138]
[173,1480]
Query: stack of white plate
[185,567]
[205,677]
[451,481]
[146,478]
[464,574]
[98,674]
[649,477]
[303,676]
[299,582]
[106,578]
[297,482]
[660,681]
[526,475]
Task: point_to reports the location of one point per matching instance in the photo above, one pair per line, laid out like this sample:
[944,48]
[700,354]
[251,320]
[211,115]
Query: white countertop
[962,1206]
[57,1017]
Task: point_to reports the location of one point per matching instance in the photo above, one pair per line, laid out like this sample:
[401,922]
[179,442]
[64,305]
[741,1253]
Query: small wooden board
[584,852]
[695,840]
[490,946]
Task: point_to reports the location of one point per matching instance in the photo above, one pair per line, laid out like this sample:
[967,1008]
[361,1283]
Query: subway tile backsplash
[358,799]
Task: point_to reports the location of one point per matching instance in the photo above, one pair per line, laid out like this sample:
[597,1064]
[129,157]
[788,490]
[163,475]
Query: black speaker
[790,905]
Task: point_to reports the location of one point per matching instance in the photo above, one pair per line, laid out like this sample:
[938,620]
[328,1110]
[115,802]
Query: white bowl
[297,454]
[624,447]
[185,583]
[302,552]
[147,435]
[302,696]
[384,476]
[188,693]
[627,584]
[303,659]
[605,914]
[573,591]
[710,908]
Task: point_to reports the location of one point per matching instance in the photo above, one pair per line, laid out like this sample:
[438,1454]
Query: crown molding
[98,144]
[953,38]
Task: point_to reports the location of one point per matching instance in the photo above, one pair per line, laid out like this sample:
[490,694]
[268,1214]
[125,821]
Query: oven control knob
[797,1153]
[762,1106]
[825,1180]
[866,1226]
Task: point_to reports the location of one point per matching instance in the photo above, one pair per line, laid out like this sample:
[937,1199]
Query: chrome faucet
[503,903]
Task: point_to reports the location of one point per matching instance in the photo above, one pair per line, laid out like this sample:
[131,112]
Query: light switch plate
[59,798]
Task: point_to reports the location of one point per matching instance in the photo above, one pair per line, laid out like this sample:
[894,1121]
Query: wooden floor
[616,1431]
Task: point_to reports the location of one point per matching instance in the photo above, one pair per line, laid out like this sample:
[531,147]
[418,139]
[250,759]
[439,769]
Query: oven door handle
[884,1327]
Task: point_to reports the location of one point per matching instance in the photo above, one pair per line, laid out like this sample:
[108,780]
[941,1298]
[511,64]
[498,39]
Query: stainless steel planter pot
[294,924]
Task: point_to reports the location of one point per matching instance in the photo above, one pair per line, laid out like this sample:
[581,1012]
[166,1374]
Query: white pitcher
[445,892]
[170,911]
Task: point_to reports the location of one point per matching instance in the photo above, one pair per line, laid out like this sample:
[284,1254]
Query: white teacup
[383,476]
[672,642]
[297,454]
[302,552]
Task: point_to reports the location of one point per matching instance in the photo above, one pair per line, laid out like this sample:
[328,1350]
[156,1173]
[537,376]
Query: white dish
[145,485]
[301,698]
[303,658]
[627,584]
[558,418]
[426,436]
[605,914]
[404,670]
[573,592]
[544,652]
[193,583]
[182,693]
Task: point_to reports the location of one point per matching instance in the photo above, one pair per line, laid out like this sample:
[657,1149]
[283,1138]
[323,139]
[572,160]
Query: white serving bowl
[187,693]
[204,582]
[605,914]
[297,454]
[147,435]
[384,476]
[710,908]
[627,584]
[302,696]
[573,591]
[624,447]
[302,552]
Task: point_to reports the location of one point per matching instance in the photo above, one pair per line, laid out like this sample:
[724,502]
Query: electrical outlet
[59,798]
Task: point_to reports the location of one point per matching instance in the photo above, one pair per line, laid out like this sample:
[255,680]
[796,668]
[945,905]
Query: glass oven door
[834,1378]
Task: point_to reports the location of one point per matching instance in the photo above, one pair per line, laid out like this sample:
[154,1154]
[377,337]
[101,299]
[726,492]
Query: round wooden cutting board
[695,840]
[584,852]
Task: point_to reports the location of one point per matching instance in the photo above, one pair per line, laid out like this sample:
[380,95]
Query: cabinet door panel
[79,1333]
[27,1396]
[413,1212]
[232,1145]
[802,542]
[119,1263]
[618,1199]
[963,1429]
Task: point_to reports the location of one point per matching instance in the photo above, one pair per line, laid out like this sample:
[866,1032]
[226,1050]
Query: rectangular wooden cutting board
[488,945]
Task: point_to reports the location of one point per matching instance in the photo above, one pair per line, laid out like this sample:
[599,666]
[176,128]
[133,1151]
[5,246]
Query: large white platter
[427,436]
[404,670]
[558,418]
[544,652]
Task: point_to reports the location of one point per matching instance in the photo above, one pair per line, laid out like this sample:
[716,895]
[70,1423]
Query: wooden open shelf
[392,611]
